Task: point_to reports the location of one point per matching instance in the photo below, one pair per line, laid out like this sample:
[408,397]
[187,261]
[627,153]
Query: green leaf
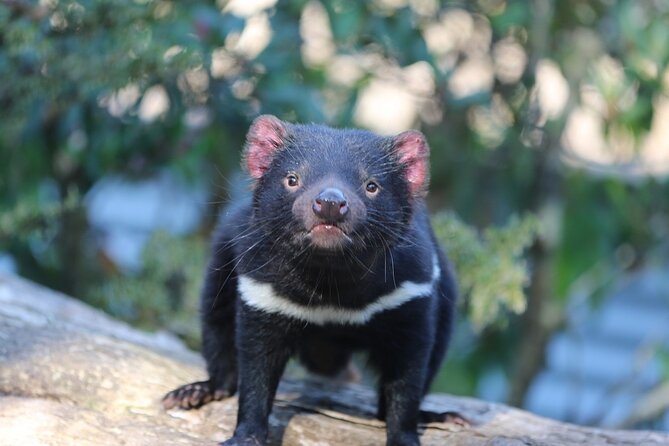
[490,266]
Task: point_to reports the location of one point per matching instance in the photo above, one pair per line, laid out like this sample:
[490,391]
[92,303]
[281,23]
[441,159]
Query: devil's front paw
[245,441]
[403,439]
[193,396]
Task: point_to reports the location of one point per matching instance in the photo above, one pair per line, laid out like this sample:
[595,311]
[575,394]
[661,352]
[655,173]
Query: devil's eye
[372,188]
[291,181]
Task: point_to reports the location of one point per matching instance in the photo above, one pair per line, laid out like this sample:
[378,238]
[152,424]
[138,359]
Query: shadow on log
[70,375]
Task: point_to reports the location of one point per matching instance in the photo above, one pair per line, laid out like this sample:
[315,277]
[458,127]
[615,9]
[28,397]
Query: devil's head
[328,189]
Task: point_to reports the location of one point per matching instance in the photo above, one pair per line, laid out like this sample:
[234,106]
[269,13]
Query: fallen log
[70,375]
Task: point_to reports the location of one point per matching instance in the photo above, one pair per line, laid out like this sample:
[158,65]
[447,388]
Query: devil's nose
[330,204]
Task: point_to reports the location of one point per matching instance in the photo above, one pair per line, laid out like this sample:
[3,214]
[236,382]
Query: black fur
[388,240]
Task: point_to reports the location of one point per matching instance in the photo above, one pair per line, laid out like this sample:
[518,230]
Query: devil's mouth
[326,229]
[328,236]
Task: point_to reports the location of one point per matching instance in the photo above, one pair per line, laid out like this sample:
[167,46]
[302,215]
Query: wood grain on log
[69,375]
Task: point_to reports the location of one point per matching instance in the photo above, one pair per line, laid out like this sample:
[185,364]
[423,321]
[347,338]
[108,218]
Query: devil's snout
[330,205]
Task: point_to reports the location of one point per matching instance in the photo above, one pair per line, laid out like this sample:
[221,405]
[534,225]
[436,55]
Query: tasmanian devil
[333,253]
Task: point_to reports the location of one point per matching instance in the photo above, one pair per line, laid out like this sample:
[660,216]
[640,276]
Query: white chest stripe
[262,296]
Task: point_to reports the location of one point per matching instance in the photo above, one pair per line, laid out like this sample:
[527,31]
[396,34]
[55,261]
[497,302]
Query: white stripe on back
[261,295]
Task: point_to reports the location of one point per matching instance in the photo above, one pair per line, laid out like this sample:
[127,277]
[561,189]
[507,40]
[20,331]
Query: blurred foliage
[96,87]
[490,268]
[165,293]
[30,218]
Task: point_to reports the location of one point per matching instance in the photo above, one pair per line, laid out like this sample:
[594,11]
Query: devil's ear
[413,155]
[265,138]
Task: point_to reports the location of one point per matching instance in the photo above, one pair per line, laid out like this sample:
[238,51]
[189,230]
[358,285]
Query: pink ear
[413,153]
[265,137]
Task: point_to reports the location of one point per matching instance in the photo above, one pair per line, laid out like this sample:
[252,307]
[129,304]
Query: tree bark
[69,375]
[545,201]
